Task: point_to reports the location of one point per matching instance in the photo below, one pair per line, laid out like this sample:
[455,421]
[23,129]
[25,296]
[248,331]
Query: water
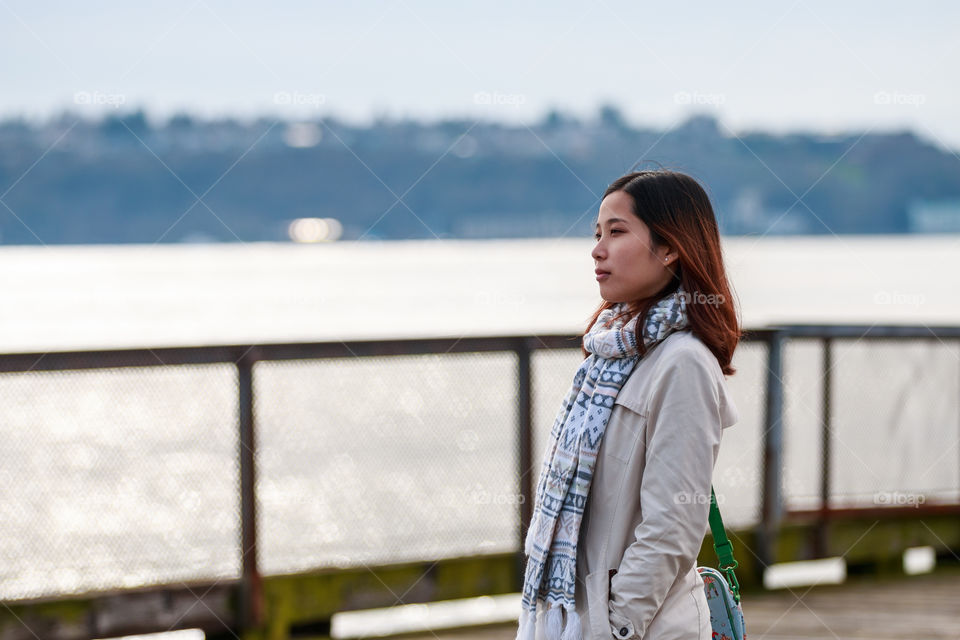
[128,477]
[114,296]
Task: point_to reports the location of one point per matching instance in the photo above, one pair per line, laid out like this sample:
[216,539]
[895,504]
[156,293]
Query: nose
[598,251]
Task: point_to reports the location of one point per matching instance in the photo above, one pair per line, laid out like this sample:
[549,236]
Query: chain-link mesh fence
[123,477]
[386,459]
[896,423]
[117,478]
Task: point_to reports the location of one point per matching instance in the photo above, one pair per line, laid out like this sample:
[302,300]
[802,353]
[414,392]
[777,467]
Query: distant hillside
[122,180]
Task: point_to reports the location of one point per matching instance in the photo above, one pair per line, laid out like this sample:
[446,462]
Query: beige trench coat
[648,507]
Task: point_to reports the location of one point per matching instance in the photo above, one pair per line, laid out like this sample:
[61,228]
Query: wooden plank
[296,599]
[188,606]
[910,608]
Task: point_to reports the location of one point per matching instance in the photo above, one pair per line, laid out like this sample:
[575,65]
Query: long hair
[678,213]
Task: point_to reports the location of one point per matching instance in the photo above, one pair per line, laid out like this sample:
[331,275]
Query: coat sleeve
[683,440]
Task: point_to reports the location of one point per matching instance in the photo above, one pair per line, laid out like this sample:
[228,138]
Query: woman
[623,498]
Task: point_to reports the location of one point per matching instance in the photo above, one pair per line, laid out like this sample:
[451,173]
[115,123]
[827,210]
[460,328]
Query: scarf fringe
[554,622]
[527,629]
[572,631]
[557,623]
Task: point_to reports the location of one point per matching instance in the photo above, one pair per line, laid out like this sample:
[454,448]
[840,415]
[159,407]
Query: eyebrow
[612,220]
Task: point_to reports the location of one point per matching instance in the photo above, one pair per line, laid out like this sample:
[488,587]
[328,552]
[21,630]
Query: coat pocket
[621,438]
[598,598]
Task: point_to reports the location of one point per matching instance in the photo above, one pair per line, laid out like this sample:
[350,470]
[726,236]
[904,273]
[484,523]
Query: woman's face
[634,267]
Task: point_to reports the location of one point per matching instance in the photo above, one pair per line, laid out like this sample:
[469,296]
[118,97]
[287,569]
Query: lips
[601,274]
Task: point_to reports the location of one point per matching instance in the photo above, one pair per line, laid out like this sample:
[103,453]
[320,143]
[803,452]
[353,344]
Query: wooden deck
[925,607]
[911,608]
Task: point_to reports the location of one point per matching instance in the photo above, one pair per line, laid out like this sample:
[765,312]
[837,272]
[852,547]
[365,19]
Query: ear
[668,255]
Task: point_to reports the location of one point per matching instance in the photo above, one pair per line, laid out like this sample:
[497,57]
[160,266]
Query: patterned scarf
[567,471]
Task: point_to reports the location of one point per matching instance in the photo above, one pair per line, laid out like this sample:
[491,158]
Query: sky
[798,65]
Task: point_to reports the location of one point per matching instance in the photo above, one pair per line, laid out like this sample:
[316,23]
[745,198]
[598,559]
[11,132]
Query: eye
[612,231]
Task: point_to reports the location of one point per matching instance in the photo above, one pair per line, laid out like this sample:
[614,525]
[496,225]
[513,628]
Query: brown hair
[678,213]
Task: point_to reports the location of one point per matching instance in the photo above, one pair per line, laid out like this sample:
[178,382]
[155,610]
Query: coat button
[624,631]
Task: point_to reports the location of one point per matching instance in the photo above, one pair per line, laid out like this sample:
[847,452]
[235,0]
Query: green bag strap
[723,547]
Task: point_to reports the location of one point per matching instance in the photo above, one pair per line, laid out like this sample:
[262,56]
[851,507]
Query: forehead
[616,207]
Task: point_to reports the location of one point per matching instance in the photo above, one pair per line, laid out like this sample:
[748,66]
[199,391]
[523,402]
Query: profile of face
[629,266]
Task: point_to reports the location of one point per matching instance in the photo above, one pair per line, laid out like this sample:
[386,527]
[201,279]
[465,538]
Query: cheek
[646,254]
[638,257]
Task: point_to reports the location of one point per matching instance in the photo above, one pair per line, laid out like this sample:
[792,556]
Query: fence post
[772,463]
[823,522]
[250,596]
[526,473]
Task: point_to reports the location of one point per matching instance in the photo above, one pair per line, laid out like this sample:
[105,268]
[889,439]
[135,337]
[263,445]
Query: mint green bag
[723,595]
